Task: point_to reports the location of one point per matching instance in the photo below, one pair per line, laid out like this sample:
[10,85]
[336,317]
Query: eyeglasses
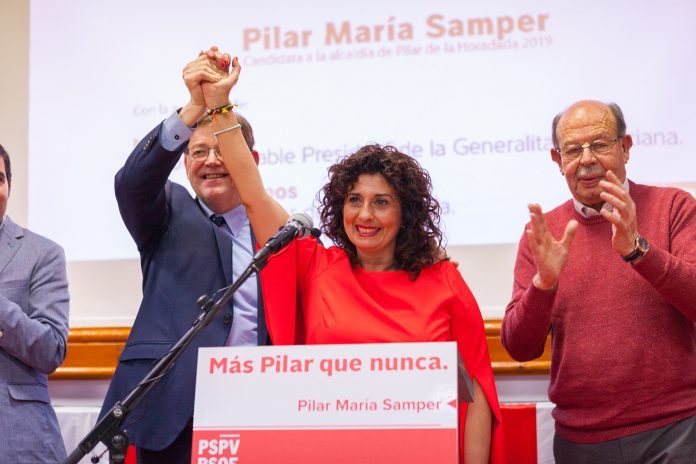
[202,153]
[598,148]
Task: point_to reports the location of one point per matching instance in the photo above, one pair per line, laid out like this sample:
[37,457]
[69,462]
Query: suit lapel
[10,241]
[224,243]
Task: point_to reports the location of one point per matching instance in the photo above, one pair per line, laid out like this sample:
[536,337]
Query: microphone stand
[108,430]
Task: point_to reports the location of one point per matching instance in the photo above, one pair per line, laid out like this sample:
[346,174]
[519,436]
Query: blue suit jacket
[33,331]
[183,256]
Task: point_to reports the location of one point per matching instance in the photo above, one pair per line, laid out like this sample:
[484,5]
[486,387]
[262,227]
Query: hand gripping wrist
[222,109]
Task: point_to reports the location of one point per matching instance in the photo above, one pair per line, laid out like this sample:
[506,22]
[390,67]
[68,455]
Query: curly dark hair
[419,240]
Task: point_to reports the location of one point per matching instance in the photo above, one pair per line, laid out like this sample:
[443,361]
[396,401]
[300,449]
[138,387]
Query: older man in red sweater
[620,303]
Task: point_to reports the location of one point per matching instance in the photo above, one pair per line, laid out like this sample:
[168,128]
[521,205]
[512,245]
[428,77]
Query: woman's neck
[377,263]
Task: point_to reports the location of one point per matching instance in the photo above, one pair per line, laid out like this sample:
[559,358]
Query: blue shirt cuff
[174,133]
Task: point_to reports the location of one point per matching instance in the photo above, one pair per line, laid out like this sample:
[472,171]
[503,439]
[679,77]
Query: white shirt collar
[235,218]
[588,212]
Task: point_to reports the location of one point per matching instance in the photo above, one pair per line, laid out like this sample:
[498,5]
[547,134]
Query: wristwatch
[642,247]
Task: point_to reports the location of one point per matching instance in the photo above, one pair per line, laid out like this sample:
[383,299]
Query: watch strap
[642,247]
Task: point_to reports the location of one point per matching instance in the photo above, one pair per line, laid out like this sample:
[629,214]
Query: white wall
[108,293]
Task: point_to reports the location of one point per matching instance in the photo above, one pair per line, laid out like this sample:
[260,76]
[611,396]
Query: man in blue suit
[184,254]
[33,332]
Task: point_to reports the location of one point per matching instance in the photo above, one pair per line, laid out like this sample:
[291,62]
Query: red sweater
[623,353]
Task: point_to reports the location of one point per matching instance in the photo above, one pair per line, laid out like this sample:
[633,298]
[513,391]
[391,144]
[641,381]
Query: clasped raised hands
[209,80]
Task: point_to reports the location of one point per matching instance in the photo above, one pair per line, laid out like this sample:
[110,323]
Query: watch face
[642,245]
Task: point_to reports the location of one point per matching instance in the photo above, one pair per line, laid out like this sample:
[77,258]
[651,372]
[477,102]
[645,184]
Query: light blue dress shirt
[244,330]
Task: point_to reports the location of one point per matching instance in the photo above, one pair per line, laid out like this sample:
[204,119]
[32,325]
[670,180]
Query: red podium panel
[316,446]
[386,403]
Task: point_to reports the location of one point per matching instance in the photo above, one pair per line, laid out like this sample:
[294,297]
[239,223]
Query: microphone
[299,225]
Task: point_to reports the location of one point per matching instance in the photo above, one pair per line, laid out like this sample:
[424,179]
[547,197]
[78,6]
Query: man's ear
[255,154]
[626,143]
[556,157]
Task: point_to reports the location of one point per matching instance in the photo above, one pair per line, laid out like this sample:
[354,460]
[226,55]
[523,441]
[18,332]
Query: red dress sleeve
[469,333]
[279,284]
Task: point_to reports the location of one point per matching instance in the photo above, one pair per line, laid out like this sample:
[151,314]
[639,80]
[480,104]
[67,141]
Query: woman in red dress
[384,281]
